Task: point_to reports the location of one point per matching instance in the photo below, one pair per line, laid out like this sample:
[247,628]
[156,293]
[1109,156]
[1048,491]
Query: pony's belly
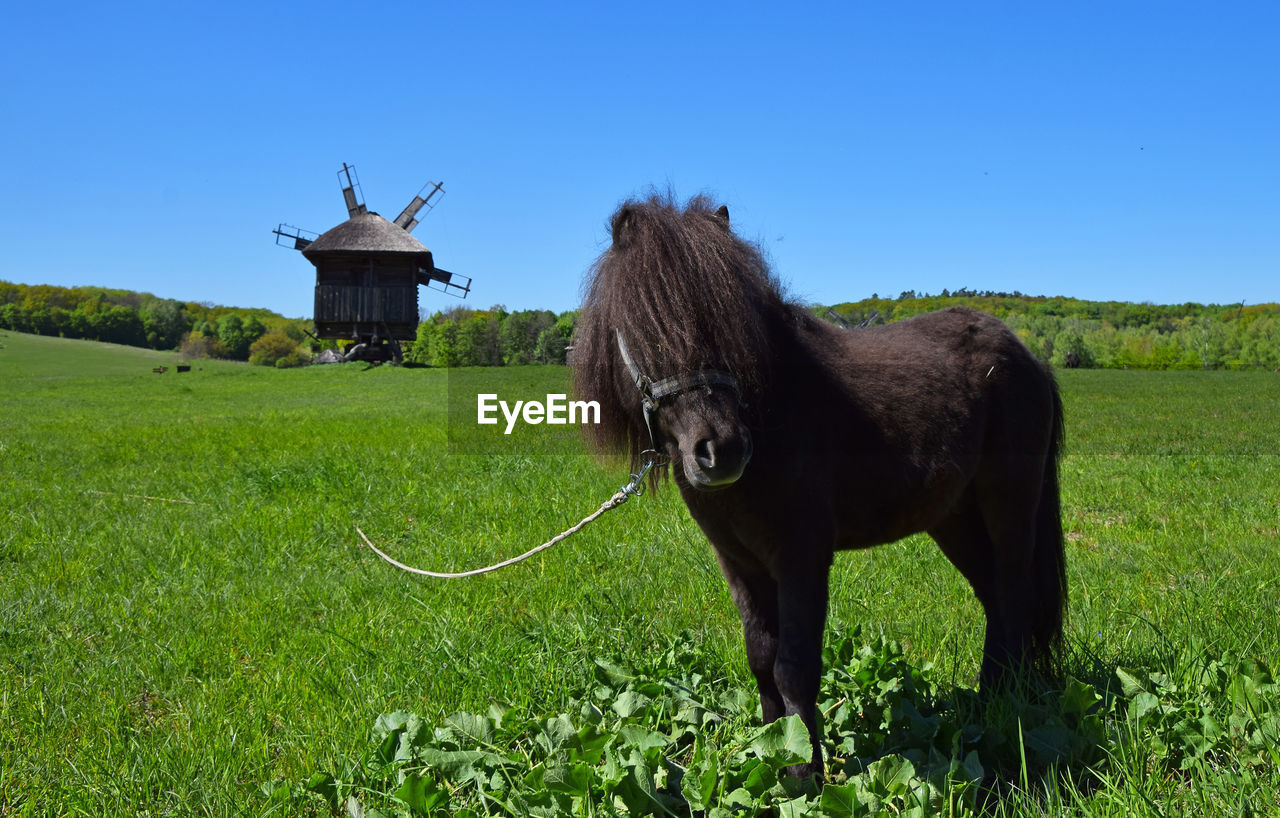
[888,516]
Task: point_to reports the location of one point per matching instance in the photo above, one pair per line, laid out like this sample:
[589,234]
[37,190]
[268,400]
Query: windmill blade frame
[352,195]
[295,237]
[454,284]
[407,220]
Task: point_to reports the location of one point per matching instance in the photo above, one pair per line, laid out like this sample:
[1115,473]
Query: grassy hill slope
[37,356]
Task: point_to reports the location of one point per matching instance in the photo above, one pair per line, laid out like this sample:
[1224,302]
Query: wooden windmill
[368,271]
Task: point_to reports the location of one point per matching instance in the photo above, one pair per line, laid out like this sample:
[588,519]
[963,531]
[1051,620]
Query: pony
[790,439]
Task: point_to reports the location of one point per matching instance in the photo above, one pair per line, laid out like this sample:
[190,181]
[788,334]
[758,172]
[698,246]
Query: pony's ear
[622,224]
[723,215]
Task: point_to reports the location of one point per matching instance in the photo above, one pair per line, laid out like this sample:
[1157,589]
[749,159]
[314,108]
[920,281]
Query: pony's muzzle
[712,463]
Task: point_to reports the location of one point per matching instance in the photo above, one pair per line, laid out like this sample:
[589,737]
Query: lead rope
[634,488]
[650,394]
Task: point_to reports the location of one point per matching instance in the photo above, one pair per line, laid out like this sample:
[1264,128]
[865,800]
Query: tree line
[198,330]
[492,337]
[1109,334]
[1104,334]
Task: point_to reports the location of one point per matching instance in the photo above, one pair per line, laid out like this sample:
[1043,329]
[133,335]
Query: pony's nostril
[714,461]
[704,452]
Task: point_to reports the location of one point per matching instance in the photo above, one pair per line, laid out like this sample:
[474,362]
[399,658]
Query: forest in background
[1104,334]
[492,337]
[198,330]
[1096,334]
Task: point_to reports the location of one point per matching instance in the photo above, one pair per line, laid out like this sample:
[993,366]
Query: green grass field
[188,624]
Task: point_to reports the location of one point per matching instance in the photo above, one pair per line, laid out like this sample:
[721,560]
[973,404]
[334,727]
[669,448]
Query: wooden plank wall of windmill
[350,297]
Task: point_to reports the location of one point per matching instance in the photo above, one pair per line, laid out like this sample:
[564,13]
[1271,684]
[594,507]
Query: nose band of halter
[653,392]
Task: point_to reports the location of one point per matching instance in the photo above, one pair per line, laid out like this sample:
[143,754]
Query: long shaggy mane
[687,294]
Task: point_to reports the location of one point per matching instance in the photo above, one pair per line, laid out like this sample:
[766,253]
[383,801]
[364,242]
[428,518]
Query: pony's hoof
[805,771]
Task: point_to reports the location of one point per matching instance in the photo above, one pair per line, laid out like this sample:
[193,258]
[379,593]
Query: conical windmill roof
[365,233]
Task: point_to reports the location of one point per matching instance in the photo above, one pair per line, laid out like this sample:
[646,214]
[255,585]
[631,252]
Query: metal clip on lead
[651,458]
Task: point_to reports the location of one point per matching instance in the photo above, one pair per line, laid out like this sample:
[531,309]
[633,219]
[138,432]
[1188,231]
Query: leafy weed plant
[668,740]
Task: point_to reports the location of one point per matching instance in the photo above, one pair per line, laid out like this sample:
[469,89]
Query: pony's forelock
[686,293]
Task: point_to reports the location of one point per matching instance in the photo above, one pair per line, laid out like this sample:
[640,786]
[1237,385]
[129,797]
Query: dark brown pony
[791,439]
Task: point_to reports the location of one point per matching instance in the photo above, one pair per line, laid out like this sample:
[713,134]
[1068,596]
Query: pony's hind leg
[997,582]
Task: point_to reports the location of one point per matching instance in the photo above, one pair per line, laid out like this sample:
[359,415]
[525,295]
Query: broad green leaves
[1205,707]
[662,741]
[781,744]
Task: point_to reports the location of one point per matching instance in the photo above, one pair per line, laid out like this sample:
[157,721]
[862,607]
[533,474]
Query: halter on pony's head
[653,392]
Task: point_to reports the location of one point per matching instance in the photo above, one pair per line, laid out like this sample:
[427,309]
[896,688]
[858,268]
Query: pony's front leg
[802,617]
[756,595]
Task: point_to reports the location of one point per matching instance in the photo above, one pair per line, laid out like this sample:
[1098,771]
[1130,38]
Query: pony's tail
[1049,565]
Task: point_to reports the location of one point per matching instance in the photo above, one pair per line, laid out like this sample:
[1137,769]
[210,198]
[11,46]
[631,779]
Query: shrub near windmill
[368,271]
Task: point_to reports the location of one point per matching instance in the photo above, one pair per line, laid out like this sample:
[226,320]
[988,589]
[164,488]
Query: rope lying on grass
[613,502]
[632,489]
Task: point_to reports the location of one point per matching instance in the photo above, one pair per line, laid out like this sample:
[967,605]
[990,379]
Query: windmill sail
[407,220]
[351,193]
[444,281]
[289,236]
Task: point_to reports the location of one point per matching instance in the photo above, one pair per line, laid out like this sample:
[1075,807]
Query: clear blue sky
[1126,151]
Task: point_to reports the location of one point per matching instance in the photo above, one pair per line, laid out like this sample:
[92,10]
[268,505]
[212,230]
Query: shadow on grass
[1159,716]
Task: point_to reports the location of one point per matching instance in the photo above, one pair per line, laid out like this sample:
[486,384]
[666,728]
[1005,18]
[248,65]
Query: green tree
[237,334]
[232,335]
[1071,341]
[551,347]
[477,341]
[10,317]
[513,336]
[196,344]
[163,323]
[1260,345]
[117,325]
[520,335]
[443,344]
[274,347]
